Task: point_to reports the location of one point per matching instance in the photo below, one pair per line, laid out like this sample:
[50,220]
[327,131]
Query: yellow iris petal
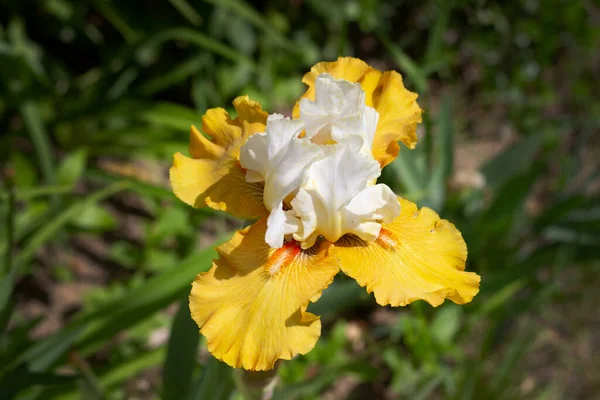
[417,256]
[214,176]
[398,110]
[251,304]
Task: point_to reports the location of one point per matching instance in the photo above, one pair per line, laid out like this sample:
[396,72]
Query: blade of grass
[31,193]
[216,382]
[170,115]
[28,220]
[442,156]
[406,64]
[115,375]
[49,230]
[436,33]
[72,167]
[10,225]
[108,10]
[35,126]
[201,40]
[91,330]
[248,13]
[513,161]
[181,354]
[122,83]
[178,74]
[187,11]
[515,352]
[138,304]
[92,388]
[409,168]
[337,297]
[46,233]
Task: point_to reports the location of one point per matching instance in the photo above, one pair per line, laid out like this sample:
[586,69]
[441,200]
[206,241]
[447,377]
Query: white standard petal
[286,176]
[339,114]
[370,206]
[280,224]
[336,198]
[278,157]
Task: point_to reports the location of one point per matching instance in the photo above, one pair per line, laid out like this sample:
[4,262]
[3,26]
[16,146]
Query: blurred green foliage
[97,95]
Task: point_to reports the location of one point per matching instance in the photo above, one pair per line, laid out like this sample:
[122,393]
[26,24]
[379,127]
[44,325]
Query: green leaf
[143,301]
[21,378]
[7,283]
[558,210]
[179,73]
[181,354]
[72,168]
[505,209]
[337,297]
[114,375]
[517,349]
[201,40]
[6,312]
[243,37]
[215,383]
[37,131]
[406,64]
[90,330]
[48,231]
[446,323]
[187,11]
[513,161]
[108,10]
[170,115]
[245,11]
[94,217]
[173,221]
[442,157]
[25,173]
[411,169]
[435,43]
[30,193]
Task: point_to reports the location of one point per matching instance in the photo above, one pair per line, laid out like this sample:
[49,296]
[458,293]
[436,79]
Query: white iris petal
[336,198]
[279,158]
[330,172]
[339,114]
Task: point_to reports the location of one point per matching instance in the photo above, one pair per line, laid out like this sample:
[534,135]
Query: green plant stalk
[30,193]
[203,41]
[90,378]
[33,122]
[10,228]
[187,11]
[108,11]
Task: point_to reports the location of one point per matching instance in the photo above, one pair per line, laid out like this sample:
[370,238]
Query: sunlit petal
[251,304]
[417,256]
[338,114]
[398,110]
[214,176]
[336,197]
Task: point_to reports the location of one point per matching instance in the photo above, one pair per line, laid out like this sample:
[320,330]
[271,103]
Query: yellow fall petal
[214,176]
[251,305]
[417,256]
[398,110]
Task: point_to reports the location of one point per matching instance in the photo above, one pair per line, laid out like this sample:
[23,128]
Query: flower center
[282,256]
[327,177]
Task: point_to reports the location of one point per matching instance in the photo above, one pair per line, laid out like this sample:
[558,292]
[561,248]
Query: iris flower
[310,182]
